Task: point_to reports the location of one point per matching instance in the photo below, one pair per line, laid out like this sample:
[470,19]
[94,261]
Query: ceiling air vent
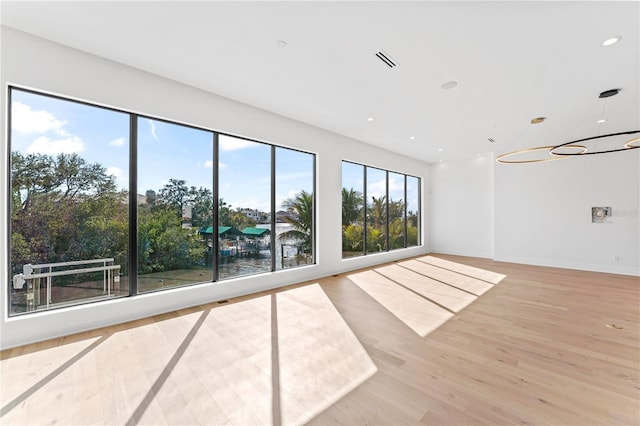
[492,140]
[384,57]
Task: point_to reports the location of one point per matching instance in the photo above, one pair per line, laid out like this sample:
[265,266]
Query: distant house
[252,214]
[282,216]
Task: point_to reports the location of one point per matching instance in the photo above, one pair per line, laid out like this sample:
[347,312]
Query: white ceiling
[513,61]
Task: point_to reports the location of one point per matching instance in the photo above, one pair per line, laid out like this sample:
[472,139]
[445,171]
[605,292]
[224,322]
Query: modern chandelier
[577,147]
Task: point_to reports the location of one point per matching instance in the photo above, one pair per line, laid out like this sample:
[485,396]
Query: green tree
[412,228]
[376,240]
[352,203]
[48,195]
[201,200]
[301,205]
[396,224]
[224,212]
[239,220]
[174,194]
[353,238]
[377,224]
[164,245]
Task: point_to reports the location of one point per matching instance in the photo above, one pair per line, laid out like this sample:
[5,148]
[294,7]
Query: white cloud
[44,145]
[228,143]
[221,165]
[395,186]
[153,130]
[121,178]
[117,142]
[26,120]
[286,177]
[208,164]
[115,172]
[377,189]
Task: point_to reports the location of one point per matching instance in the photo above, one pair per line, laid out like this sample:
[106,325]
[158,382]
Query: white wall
[461,217]
[543,213]
[39,64]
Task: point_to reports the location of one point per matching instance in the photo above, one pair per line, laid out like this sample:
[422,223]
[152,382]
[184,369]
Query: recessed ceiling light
[412,137]
[439,161]
[602,120]
[440,149]
[281,43]
[370,119]
[611,41]
[449,84]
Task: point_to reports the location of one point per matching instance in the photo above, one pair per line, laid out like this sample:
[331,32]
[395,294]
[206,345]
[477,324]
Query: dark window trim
[9,184]
[134,117]
[272,236]
[365,221]
[215,242]
[133,205]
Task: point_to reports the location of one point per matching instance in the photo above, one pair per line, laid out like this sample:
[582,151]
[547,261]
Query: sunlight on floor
[421,315]
[276,359]
[482,274]
[23,376]
[426,292]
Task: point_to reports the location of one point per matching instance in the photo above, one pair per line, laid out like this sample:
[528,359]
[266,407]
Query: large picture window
[352,209]
[294,208]
[107,204]
[69,217]
[175,184]
[244,229]
[380,210]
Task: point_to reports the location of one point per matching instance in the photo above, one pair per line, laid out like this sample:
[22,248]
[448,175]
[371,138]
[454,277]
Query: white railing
[34,276]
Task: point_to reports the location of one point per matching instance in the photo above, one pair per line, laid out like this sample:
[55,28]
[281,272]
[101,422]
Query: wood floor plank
[421,315]
[481,274]
[498,343]
[446,296]
[463,282]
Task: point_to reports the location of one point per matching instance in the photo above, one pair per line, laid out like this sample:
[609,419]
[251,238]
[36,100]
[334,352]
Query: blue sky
[41,124]
[352,177]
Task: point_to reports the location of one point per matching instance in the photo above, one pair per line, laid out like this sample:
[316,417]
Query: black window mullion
[133,204]
[419,213]
[313,215]
[215,240]
[364,211]
[404,213]
[273,209]
[10,203]
[386,208]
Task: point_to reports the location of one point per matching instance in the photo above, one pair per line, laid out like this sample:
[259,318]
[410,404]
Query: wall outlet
[616,258]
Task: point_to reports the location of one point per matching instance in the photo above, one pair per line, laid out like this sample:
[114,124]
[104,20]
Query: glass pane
[352,209]
[376,210]
[245,207]
[396,210]
[294,208]
[69,181]
[413,211]
[175,205]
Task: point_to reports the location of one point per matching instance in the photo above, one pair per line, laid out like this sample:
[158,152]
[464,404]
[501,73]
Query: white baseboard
[469,253]
[554,263]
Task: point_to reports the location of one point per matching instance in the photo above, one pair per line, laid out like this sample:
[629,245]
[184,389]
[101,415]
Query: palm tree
[377,212]
[302,205]
[351,206]
[377,224]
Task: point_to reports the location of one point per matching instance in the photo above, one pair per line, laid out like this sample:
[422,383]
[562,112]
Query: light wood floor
[430,340]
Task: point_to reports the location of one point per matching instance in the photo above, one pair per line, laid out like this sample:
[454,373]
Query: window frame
[387,172]
[132,255]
